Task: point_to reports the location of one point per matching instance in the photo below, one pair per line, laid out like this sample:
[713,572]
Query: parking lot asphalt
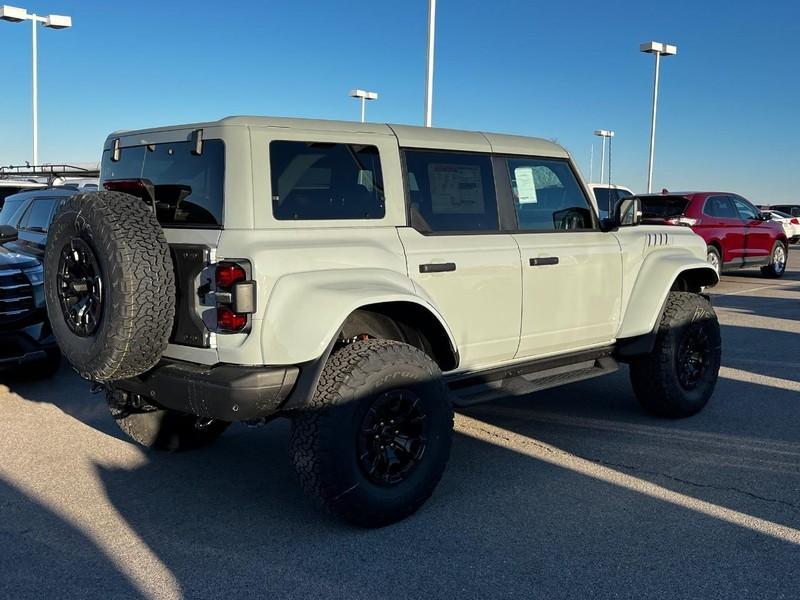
[568,493]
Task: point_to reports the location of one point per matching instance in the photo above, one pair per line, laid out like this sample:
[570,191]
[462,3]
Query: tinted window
[450,191]
[325,181]
[747,211]
[37,217]
[188,188]
[9,214]
[547,195]
[663,207]
[720,206]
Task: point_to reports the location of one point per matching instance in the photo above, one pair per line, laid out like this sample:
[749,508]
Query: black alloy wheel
[393,437]
[693,356]
[80,288]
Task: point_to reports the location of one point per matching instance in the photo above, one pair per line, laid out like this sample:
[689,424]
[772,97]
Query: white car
[606,196]
[357,278]
[791,225]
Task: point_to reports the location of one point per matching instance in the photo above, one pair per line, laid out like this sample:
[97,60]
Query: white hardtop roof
[407,135]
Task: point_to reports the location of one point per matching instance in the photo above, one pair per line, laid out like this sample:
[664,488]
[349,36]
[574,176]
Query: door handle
[437,267]
[541,262]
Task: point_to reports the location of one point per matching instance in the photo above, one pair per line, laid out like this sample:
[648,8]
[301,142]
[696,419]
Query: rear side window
[547,195]
[37,217]
[450,191]
[325,181]
[721,207]
[188,188]
[663,207]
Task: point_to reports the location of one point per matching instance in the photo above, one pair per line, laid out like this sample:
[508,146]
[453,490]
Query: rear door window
[450,191]
[325,181]
[721,207]
[188,188]
[547,195]
[37,217]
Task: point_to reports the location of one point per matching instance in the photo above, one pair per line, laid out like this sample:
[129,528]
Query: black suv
[26,338]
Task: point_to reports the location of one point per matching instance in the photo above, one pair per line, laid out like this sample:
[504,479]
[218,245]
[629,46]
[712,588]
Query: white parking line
[566,460]
[749,377]
[756,289]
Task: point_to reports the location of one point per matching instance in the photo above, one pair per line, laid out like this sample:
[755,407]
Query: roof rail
[52,172]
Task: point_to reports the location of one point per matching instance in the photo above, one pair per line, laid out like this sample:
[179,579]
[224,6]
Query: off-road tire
[656,376]
[162,429]
[712,255]
[323,442]
[775,269]
[137,277]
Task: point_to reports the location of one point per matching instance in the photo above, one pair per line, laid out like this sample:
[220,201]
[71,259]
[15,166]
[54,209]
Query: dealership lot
[571,492]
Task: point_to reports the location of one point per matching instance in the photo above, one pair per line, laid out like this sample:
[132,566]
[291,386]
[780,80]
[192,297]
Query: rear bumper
[224,392]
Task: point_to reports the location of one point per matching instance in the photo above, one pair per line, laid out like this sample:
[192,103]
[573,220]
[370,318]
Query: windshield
[188,187]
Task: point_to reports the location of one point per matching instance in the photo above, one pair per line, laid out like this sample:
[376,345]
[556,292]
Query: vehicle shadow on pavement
[67,392]
[44,556]
[785,307]
[229,520]
[713,497]
[762,352]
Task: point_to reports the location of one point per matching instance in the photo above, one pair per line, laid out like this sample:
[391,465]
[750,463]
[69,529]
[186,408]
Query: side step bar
[531,377]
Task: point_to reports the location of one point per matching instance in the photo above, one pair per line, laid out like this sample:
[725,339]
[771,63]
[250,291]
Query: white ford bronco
[359,279]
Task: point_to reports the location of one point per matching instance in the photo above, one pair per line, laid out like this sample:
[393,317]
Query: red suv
[738,235]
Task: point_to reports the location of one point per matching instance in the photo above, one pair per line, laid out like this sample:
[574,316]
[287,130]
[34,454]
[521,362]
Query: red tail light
[794,222]
[236,297]
[227,320]
[228,274]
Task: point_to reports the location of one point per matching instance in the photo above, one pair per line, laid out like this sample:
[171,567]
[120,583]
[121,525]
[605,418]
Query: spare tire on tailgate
[109,285]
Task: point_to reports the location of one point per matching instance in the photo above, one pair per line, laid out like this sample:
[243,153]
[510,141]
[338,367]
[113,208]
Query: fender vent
[657,239]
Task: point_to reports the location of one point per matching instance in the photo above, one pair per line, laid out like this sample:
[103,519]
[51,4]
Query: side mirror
[8,234]
[628,212]
[765,215]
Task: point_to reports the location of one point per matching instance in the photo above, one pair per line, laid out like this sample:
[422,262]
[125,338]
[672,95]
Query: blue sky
[728,110]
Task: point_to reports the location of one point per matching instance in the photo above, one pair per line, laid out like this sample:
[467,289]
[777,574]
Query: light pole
[17,15]
[659,50]
[364,96]
[606,134]
[429,70]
